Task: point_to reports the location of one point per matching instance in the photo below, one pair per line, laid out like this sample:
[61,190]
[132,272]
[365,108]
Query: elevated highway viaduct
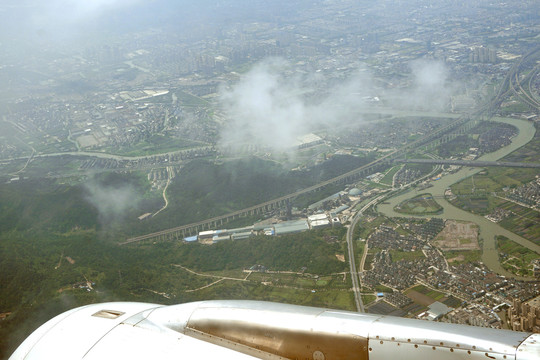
[469,163]
[441,135]
[444,133]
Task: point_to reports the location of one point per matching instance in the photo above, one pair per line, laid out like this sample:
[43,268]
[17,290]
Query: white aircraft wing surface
[262,330]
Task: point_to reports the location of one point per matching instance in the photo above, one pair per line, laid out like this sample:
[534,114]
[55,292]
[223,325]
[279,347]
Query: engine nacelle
[262,330]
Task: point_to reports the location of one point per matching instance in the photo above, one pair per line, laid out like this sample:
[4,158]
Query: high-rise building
[525,316]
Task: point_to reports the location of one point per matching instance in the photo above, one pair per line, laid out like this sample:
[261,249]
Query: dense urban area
[263,151]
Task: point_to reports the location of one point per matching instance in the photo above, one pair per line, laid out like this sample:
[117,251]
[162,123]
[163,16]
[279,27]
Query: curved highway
[356,273]
[512,84]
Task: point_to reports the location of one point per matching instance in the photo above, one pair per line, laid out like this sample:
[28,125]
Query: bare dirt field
[458,235]
[457,258]
[419,298]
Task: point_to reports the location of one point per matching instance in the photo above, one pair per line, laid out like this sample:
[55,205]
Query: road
[477,163]
[516,84]
[488,229]
[512,83]
[170,176]
[102,155]
[341,178]
[355,275]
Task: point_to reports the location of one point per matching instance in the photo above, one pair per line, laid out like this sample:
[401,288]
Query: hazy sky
[64,22]
[268,104]
[29,26]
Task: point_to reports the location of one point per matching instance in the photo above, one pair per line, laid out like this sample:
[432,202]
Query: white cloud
[112,202]
[430,87]
[268,106]
[265,108]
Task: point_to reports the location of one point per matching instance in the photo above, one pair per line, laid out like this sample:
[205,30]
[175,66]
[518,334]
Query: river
[488,230]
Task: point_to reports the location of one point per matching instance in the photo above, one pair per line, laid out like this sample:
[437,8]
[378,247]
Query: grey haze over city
[367,156]
[267,106]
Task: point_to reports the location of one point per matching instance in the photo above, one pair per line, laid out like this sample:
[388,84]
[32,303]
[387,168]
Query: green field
[368,299]
[435,295]
[388,177]
[406,255]
[364,228]
[419,205]
[514,108]
[452,302]
[370,256]
[475,194]
[156,144]
[359,247]
[516,258]
[186,99]
[456,257]
[305,281]
[382,288]
[522,221]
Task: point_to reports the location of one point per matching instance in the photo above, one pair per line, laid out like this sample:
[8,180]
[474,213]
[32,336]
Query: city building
[525,316]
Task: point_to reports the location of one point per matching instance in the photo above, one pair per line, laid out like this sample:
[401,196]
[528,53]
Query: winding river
[488,230]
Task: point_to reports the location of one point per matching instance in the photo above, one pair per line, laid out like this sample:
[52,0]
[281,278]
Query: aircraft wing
[261,330]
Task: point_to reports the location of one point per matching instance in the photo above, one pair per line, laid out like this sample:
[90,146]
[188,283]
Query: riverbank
[488,230]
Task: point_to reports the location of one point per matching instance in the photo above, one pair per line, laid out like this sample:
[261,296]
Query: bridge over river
[475,163]
[487,229]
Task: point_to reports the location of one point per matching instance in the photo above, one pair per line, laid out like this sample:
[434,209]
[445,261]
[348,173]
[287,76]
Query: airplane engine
[262,330]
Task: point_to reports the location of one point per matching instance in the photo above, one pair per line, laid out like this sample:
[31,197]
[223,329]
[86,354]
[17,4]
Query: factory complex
[316,221]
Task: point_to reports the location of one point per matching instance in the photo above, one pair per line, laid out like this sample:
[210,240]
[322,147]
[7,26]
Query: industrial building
[206,235]
[291,227]
[191,239]
[318,221]
[319,204]
[317,217]
[241,235]
[308,140]
[282,228]
[437,310]
[339,210]
[213,236]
